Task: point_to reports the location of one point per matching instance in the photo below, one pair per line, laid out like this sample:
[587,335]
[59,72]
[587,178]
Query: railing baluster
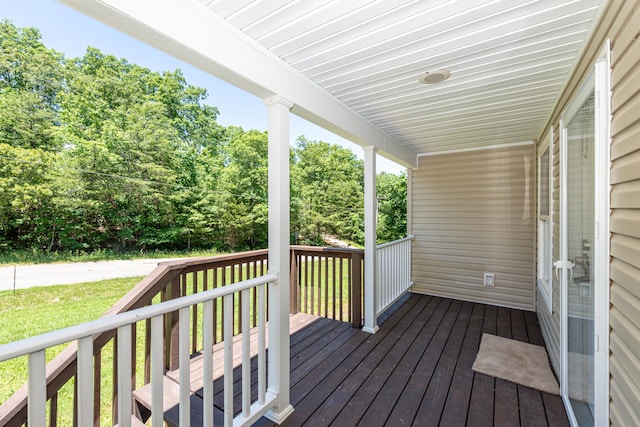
[254,293]
[134,343]
[184,359]
[341,287]
[37,399]
[74,422]
[53,410]
[215,307]
[326,286]
[228,359]
[333,283]
[124,376]
[235,329]
[262,362]
[172,335]
[207,362]
[194,321]
[97,387]
[246,353]
[157,370]
[312,285]
[223,324]
[299,282]
[114,383]
[293,283]
[147,351]
[351,267]
[85,381]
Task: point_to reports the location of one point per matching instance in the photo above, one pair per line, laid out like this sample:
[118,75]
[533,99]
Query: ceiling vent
[435,76]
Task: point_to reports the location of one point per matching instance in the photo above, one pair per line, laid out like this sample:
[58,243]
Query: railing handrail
[105,324]
[219,260]
[310,249]
[395,242]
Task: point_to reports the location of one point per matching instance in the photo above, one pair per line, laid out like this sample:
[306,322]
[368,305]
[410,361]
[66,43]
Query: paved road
[28,276]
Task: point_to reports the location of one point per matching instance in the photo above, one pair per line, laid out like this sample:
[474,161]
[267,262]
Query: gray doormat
[516,361]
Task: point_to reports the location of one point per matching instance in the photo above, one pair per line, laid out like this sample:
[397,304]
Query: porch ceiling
[352,66]
[509,60]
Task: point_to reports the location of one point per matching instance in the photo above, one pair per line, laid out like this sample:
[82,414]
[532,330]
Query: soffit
[509,59]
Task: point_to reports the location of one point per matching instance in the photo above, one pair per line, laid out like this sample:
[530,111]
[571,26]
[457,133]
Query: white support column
[370,220]
[278,362]
[409,202]
[410,219]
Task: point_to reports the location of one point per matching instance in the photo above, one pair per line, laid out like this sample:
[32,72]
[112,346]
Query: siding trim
[485,147]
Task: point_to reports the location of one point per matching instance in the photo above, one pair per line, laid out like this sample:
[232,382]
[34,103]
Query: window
[545,226]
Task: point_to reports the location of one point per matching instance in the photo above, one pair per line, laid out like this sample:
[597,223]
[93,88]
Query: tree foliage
[392,206]
[327,192]
[97,153]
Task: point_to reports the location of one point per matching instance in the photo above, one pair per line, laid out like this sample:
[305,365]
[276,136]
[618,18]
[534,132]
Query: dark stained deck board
[307,403]
[359,388]
[416,370]
[379,410]
[506,397]
[457,404]
[481,405]
[530,400]
[556,414]
[307,347]
[435,397]
[533,328]
[407,405]
[339,396]
[442,367]
[361,401]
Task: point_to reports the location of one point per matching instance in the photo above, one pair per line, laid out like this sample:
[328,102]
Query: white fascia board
[188,30]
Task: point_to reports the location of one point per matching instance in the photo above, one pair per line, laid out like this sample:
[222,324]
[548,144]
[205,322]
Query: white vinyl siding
[473,213]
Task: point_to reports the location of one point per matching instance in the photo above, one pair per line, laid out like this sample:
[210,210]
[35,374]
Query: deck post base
[370,330]
[279,417]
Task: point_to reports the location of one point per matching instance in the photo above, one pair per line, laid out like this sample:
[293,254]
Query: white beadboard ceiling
[509,60]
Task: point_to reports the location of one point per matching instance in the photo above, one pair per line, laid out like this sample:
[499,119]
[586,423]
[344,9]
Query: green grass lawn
[34,311]
[43,257]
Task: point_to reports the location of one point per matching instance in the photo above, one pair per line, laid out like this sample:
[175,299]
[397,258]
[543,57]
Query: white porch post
[409,201]
[370,220]
[278,362]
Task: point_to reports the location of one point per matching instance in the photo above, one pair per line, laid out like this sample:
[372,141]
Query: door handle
[564,264]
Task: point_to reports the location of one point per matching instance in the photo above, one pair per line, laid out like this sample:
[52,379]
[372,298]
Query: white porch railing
[35,348]
[393,272]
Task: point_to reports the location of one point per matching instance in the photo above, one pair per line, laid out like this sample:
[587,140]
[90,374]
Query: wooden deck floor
[416,370]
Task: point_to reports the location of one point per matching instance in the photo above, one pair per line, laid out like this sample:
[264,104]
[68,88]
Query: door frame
[598,82]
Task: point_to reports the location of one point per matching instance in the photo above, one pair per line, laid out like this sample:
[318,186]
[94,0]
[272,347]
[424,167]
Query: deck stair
[142,395]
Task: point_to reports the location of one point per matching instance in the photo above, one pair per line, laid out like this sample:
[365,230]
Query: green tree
[392,206]
[239,209]
[327,192]
[27,208]
[101,153]
[31,76]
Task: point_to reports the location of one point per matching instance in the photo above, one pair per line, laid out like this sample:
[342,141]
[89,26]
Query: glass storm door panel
[579,280]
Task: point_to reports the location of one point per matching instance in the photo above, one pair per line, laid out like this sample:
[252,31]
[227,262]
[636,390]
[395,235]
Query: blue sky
[70,32]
